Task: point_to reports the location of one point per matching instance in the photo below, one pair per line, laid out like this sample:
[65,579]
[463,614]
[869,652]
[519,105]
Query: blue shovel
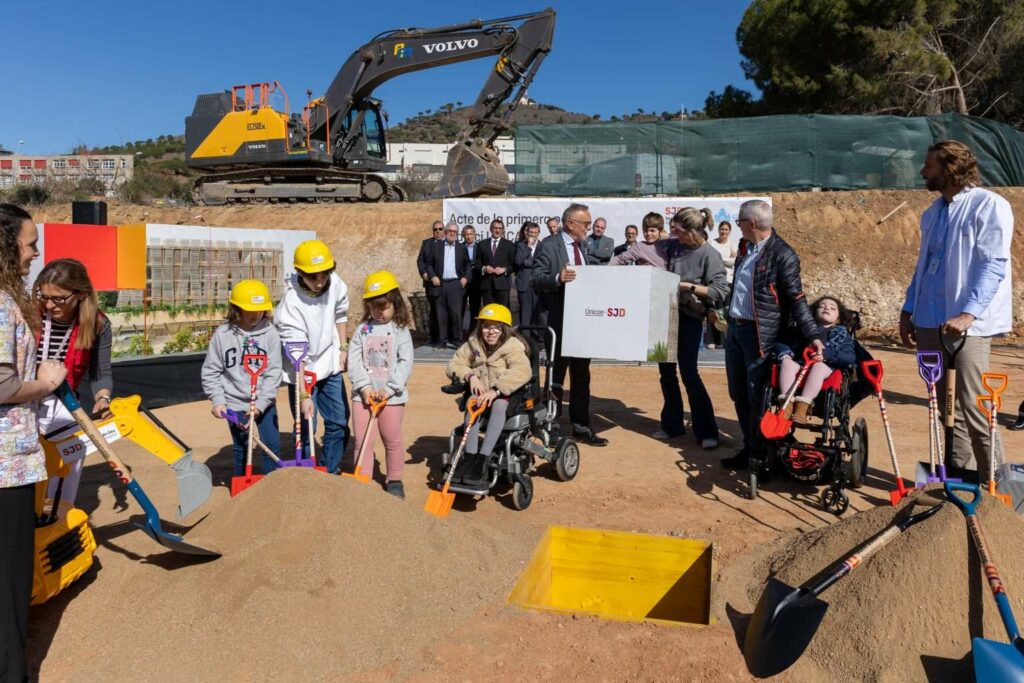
[992,661]
[152,526]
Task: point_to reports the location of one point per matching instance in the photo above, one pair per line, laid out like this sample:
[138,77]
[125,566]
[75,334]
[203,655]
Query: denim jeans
[746,372]
[331,403]
[266,428]
[702,412]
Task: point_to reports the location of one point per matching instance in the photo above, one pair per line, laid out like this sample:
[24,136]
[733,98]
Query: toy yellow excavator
[64,543]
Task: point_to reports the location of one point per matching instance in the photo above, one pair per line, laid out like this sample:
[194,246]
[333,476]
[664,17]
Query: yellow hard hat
[251,295]
[313,256]
[497,313]
[379,283]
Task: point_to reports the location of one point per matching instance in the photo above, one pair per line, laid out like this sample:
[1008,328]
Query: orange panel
[93,245]
[131,256]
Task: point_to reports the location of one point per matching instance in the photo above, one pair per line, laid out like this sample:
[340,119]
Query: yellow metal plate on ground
[620,576]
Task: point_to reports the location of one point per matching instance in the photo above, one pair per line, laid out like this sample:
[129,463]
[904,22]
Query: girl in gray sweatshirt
[227,383]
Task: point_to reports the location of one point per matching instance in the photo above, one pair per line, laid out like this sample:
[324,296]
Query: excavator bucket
[474,168]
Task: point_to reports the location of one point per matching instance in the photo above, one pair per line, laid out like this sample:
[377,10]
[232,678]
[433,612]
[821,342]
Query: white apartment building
[432,158]
[112,169]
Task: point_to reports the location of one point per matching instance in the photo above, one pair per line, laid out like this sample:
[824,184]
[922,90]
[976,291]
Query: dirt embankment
[843,249]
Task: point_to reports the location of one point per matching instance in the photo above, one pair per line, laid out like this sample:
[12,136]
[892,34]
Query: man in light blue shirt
[961,287]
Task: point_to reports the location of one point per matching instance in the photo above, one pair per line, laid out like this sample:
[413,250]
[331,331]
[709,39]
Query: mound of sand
[321,577]
[909,613]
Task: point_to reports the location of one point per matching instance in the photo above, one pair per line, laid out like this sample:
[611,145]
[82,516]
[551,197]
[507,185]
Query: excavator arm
[473,165]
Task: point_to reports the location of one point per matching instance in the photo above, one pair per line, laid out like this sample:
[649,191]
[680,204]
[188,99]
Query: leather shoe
[1019,424]
[740,461]
[590,438]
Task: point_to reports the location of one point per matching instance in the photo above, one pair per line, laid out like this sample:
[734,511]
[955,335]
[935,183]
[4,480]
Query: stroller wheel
[522,492]
[859,457]
[834,501]
[567,459]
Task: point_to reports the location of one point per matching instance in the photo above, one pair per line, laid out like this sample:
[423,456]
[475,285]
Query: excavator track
[273,185]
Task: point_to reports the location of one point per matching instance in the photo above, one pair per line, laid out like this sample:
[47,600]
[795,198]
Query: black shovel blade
[781,628]
[997,661]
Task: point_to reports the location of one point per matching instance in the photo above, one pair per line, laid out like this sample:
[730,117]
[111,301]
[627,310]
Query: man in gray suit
[554,266]
[600,246]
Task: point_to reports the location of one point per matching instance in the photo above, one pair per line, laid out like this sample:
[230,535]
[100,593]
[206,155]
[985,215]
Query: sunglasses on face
[60,300]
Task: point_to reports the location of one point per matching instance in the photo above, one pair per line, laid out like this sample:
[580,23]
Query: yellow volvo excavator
[336,149]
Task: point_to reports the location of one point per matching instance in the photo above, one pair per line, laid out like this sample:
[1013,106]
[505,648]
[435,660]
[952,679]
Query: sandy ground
[635,484]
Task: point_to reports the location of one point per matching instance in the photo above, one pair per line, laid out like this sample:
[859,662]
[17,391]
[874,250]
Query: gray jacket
[601,249]
[226,382]
[701,266]
[380,357]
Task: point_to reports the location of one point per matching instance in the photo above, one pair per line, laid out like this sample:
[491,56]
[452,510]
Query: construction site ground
[435,608]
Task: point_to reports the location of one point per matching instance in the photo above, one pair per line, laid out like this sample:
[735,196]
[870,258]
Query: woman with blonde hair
[702,285]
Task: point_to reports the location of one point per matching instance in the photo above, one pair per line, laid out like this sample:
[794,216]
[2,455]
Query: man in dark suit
[448,269]
[472,291]
[529,313]
[421,268]
[600,246]
[554,266]
[631,233]
[495,258]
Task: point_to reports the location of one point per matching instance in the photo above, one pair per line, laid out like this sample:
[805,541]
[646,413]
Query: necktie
[576,253]
[494,247]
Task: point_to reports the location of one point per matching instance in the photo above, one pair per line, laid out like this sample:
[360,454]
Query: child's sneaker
[396,489]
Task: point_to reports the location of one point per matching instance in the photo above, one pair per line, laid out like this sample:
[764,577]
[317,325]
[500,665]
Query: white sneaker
[660,435]
[709,444]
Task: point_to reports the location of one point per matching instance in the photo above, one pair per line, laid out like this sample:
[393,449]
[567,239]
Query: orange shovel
[254,364]
[773,424]
[439,503]
[376,405]
[990,405]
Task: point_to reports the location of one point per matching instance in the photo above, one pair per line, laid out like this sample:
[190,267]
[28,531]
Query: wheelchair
[529,433]
[837,452]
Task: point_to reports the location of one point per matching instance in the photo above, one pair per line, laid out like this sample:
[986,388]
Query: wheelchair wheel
[834,501]
[752,493]
[567,459]
[522,492]
[859,457]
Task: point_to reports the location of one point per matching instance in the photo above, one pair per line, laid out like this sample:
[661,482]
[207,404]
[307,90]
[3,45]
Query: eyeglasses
[584,224]
[438,229]
[59,300]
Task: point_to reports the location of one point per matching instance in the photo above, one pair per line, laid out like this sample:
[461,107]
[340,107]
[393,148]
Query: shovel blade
[997,661]
[239,484]
[177,543]
[774,426]
[358,476]
[782,626]
[439,504]
[195,483]
[473,169]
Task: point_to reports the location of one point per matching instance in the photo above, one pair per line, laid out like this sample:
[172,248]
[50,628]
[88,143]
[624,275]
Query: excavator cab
[367,148]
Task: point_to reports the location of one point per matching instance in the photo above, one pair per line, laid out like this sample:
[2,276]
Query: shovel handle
[254,364]
[989,405]
[966,507]
[952,347]
[1003,380]
[377,404]
[872,370]
[309,380]
[296,351]
[929,366]
[809,356]
[475,408]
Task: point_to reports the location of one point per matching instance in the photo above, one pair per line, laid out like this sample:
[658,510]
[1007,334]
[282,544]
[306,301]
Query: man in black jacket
[495,259]
[767,296]
[421,268]
[471,295]
[448,269]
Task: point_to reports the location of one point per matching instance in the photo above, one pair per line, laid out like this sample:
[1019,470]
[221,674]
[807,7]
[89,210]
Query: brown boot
[787,413]
[801,412]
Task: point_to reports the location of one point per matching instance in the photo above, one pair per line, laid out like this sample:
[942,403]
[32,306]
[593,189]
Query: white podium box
[627,313]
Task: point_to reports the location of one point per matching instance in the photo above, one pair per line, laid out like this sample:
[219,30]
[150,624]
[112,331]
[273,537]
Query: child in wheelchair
[495,363]
[840,354]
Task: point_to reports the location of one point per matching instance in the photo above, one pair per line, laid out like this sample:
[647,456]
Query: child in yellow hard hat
[495,362]
[227,383]
[380,363]
[315,310]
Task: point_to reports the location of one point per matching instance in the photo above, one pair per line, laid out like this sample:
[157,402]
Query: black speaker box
[89,213]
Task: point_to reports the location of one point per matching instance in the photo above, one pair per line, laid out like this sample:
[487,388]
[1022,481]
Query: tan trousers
[971,430]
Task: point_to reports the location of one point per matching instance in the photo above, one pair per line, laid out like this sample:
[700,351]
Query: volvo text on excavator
[336,148]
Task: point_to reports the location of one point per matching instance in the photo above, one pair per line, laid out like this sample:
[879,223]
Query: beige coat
[505,370]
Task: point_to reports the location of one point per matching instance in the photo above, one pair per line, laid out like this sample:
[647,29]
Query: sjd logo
[616,312]
[401,51]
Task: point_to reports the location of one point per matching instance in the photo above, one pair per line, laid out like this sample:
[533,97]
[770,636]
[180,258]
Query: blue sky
[100,73]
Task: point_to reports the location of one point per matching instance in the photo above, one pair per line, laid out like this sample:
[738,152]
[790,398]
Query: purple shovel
[929,367]
[296,352]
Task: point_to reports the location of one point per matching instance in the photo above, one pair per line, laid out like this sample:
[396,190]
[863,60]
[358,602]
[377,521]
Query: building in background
[112,170]
[428,159]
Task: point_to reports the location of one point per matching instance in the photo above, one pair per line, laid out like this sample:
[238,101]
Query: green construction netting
[768,153]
